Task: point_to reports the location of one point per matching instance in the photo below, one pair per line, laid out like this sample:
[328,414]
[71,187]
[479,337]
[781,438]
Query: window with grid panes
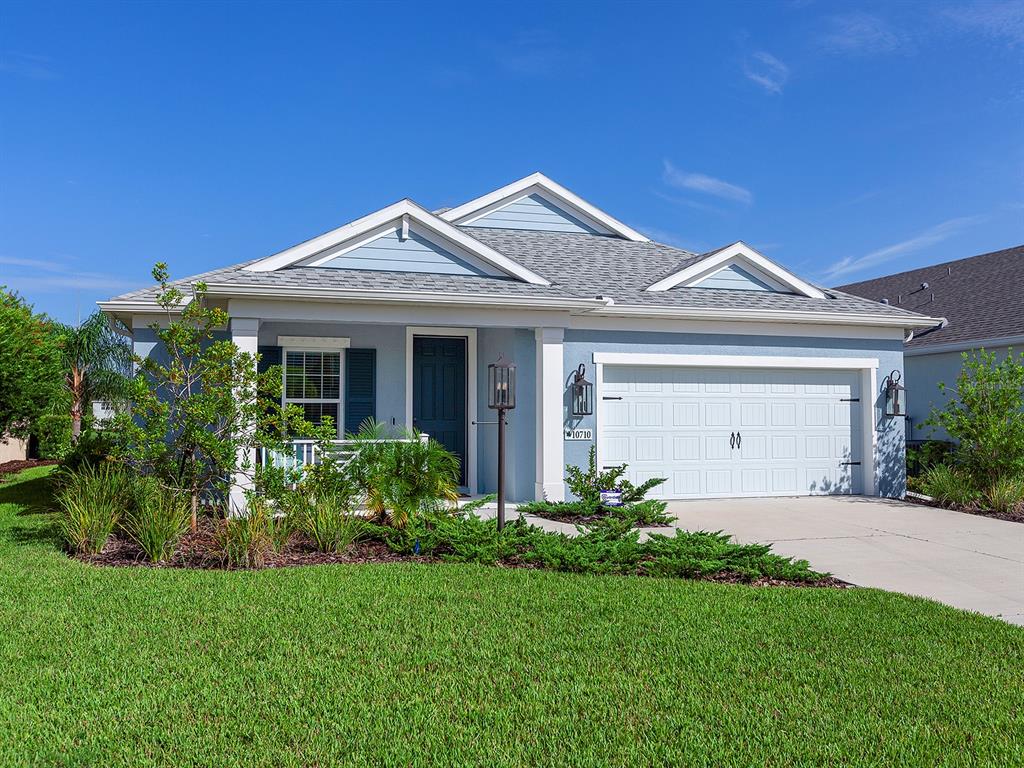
[312,380]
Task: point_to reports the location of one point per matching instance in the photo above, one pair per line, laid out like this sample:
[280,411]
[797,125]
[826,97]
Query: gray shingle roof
[981,296]
[579,266]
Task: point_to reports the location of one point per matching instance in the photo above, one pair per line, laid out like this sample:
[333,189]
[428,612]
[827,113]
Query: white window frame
[325,348]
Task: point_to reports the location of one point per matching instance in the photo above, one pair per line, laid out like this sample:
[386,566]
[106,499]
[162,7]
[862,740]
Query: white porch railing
[300,453]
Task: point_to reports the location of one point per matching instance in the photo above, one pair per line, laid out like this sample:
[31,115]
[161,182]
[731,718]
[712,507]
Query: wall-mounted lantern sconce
[895,404]
[582,393]
[501,396]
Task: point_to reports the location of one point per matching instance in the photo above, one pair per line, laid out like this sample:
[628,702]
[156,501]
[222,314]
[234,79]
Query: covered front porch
[427,378]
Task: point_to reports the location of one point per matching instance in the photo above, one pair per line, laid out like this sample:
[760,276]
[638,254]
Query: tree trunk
[195,510]
[76,422]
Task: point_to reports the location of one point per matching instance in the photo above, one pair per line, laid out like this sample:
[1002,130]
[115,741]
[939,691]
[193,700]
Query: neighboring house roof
[980,296]
[613,272]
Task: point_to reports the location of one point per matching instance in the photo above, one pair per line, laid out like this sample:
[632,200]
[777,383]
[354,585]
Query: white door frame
[469,334]
[866,366]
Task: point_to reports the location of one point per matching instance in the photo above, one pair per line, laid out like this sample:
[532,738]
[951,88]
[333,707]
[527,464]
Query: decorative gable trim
[551,191]
[401,216]
[746,257]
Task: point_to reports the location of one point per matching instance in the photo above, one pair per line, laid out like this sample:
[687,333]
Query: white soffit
[554,193]
[743,255]
[400,214]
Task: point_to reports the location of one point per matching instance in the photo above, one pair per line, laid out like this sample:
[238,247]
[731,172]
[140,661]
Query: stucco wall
[517,345]
[12,449]
[923,375]
[580,347]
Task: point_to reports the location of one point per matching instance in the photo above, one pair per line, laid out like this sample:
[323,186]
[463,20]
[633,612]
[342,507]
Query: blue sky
[844,140]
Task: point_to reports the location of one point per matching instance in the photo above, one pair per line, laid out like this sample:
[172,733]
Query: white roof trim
[395,213]
[554,193]
[964,346]
[737,253]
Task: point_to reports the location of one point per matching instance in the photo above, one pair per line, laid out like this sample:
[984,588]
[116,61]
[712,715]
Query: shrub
[245,540]
[157,519]
[90,501]
[611,546]
[949,485]
[402,479]
[1006,494]
[985,416]
[586,485]
[328,520]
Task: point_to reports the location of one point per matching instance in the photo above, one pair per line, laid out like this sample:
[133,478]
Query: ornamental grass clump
[157,519]
[244,541]
[328,520]
[90,502]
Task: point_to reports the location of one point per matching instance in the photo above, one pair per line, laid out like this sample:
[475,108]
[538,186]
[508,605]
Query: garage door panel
[795,430]
[717,414]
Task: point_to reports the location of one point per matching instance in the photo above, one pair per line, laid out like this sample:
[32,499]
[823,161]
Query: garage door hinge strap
[606,397]
[849,463]
[849,399]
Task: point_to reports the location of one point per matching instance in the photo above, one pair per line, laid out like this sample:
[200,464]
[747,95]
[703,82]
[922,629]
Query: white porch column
[550,398]
[245,335]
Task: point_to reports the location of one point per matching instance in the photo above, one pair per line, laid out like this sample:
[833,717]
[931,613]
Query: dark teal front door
[439,392]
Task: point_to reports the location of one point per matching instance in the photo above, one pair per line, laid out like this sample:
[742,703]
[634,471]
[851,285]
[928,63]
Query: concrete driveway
[966,561]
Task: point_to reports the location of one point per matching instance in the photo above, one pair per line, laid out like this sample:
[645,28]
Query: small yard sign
[579,434]
[612,498]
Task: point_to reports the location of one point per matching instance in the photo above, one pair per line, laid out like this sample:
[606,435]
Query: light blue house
[722,372]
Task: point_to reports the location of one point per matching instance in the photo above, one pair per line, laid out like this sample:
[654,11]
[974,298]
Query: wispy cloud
[535,53]
[48,266]
[27,65]
[766,70]
[928,237]
[859,33]
[27,284]
[30,275]
[708,185]
[997,20]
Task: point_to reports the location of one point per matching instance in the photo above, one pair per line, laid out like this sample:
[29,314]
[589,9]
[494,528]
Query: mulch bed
[1011,517]
[198,550]
[16,466]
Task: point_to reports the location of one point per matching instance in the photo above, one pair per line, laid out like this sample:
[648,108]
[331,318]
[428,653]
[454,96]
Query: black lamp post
[501,396]
[894,405]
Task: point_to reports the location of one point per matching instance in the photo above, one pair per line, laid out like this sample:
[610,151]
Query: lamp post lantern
[501,396]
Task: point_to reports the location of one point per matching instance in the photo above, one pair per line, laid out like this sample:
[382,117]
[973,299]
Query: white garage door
[732,432]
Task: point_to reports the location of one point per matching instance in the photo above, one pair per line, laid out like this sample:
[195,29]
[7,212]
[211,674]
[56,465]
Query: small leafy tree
[200,411]
[29,366]
[97,362]
[985,416]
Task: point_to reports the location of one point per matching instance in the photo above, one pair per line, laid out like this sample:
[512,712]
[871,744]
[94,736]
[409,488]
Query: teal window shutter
[269,356]
[360,387]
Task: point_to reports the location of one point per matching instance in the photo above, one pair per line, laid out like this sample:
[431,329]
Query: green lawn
[464,665]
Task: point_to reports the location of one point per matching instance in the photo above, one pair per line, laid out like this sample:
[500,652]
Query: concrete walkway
[966,561]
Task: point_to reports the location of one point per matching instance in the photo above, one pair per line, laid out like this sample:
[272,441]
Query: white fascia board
[400,297]
[964,346]
[735,361]
[738,252]
[395,213]
[767,315]
[539,182]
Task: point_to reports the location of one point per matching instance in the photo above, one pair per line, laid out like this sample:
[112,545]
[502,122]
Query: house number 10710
[579,434]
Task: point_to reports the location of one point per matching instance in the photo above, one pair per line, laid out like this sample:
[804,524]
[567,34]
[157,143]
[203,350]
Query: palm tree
[97,363]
